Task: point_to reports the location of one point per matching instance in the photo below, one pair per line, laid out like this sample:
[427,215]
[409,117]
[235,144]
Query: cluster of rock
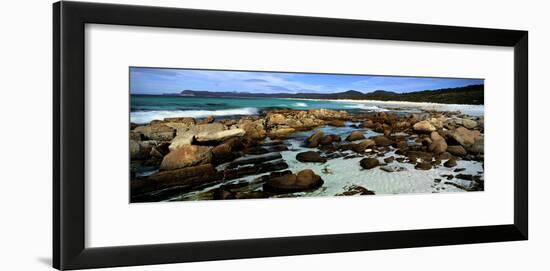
[425,140]
[281,123]
[190,154]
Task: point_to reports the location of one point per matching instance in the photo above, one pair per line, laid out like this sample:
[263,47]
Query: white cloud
[253,81]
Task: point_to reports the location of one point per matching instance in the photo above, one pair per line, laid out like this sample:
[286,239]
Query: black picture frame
[69,19]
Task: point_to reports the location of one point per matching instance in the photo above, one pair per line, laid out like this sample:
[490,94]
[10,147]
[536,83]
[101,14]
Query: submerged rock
[367,124]
[448,176]
[389,159]
[277,148]
[382,141]
[445,156]
[302,181]
[307,179]
[314,139]
[450,163]
[238,190]
[253,169]
[329,139]
[457,150]
[368,163]
[355,135]
[255,150]
[165,184]
[392,168]
[356,190]
[423,166]
[310,156]
[336,123]
[402,145]
[468,177]
[465,185]
[200,173]
[423,156]
[253,159]
[223,194]
[250,195]
[363,145]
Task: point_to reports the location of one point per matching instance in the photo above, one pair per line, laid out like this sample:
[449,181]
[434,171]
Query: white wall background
[25,136]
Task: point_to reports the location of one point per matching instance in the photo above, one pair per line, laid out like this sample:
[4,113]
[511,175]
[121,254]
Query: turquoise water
[159,103]
[146,108]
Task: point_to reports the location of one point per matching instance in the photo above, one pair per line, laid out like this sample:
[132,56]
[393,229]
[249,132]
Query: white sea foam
[468,109]
[366,107]
[147,116]
[300,104]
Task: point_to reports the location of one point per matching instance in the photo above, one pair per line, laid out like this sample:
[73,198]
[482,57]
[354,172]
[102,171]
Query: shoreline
[145,116]
[376,101]
[422,105]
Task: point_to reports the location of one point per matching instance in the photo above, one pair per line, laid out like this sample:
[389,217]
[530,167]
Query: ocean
[145,108]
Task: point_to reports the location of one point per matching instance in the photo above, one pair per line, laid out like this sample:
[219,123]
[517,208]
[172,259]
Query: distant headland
[471,94]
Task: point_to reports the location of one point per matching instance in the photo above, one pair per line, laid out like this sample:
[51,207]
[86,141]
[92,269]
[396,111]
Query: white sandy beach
[468,109]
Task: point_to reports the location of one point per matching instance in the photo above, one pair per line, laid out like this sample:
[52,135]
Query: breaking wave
[366,107]
[148,116]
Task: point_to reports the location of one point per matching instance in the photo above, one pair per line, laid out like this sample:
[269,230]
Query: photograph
[206,134]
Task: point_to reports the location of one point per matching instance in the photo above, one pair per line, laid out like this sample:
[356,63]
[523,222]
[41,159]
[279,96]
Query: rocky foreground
[241,158]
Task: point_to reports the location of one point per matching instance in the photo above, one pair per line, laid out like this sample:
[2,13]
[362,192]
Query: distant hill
[472,94]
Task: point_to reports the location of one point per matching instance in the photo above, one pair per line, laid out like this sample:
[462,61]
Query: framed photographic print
[191,135]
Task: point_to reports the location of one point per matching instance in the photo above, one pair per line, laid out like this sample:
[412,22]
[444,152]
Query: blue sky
[159,81]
